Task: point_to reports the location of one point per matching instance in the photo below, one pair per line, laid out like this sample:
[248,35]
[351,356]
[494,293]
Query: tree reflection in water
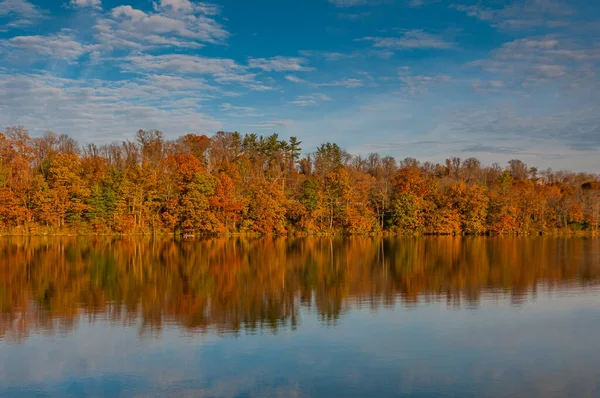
[229,285]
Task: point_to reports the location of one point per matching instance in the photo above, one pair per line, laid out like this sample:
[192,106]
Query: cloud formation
[347,83]
[172,23]
[24,13]
[279,64]
[62,45]
[354,3]
[104,111]
[523,14]
[310,100]
[551,59]
[411,40]
[87,3]
[419,84]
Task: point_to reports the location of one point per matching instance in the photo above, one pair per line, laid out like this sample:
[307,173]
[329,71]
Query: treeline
[233,183]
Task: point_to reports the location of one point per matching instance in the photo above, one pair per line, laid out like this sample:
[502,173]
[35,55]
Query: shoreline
[385,234]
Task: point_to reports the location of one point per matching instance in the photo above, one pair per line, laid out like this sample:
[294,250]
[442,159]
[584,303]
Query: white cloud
[348,83]
[87,3]
[338,56]
[421,3]
[177,5]
[304,102]
[21,8]
[279,64]
[240,111]
[178,83]
[62,45]
[294,79]
[321,97]
[25,11]
[129,12]
[309,100]
[412,39]
[245,114]
[228,107]
[187,7]
[420,84]
[353,16]
[551,71]
[519,15]
[174,23]
[367,75]
[577,129]
[222,70]
[487,85]
[383,54]
[94,110]
[189,64]
[354,3]
[270,124]
[546,59]
[334,56]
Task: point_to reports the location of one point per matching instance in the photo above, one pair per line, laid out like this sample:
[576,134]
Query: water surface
[424,317]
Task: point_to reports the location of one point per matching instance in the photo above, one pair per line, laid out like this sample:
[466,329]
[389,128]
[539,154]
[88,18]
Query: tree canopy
[233,183]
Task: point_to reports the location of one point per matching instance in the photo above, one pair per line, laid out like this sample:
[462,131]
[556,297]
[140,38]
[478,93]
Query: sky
[429,79]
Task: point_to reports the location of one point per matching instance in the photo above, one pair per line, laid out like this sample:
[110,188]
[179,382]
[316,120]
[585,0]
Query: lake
[300,317]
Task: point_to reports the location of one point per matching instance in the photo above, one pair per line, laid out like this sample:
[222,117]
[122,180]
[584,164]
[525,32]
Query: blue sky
[424,78]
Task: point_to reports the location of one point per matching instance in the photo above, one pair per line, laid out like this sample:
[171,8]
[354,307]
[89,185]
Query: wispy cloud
[354,3]
[221,70]
[22,11]
[179,84]
[353,16]
[544,59]
[240,111]
[294,79]
[416,3]
[309,100]
[187,7]
[420,84]
[334,56]
[270,124]
[521,14]
[21,8]
[61,45]
[279,64]
[578,129]
[84,107]
[410,40]
[348,83]
[228,107]
[487,85]
[404,144]
[189,64]
[338,56]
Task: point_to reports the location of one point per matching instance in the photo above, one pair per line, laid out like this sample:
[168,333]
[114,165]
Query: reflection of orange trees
[237,284]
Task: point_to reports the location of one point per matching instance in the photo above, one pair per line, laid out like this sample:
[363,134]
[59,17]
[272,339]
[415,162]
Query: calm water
[452,317]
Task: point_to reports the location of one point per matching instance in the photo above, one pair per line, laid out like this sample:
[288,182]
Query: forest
[248,184]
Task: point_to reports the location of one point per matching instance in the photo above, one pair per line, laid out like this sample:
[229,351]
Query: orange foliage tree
[234,183]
